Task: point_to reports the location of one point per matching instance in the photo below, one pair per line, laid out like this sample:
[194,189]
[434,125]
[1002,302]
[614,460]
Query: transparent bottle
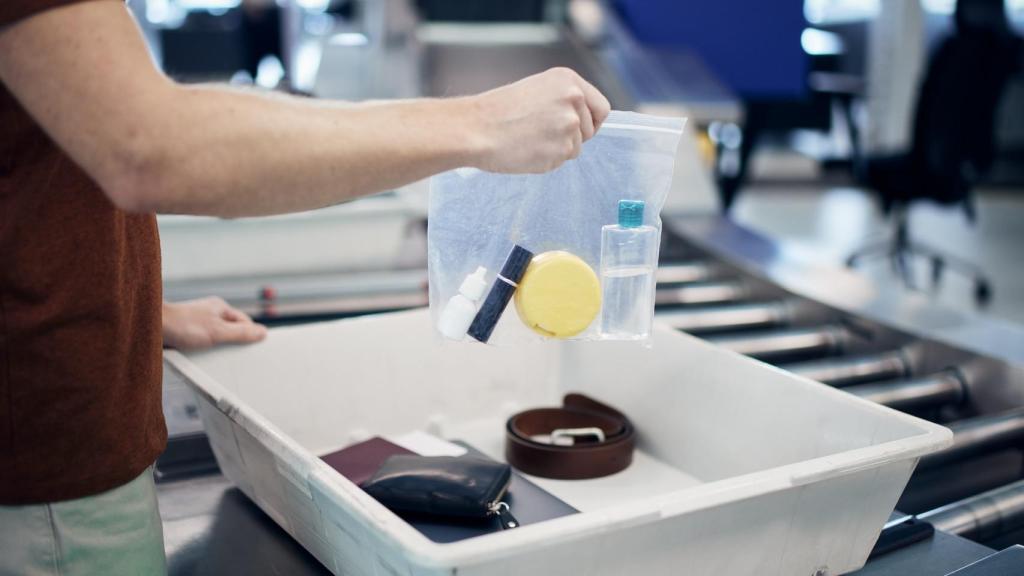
[629,257]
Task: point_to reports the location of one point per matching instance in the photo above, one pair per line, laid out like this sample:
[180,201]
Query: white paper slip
[426,444]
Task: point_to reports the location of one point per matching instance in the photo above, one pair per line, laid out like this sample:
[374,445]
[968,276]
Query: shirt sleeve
[11,11]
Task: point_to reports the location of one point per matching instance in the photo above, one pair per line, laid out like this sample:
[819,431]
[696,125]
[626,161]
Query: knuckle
[574,95]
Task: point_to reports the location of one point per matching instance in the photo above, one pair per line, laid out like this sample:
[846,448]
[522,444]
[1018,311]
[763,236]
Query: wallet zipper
[501,509]
[504,514]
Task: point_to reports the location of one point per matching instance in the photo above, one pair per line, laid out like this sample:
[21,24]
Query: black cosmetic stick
[501,292]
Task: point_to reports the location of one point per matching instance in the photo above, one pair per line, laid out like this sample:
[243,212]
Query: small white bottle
[629,257]
[459,312]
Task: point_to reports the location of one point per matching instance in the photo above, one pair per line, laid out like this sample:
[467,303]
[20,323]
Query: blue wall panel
[752,45]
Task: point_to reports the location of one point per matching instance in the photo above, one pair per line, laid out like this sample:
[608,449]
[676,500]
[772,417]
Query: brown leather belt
[582,439]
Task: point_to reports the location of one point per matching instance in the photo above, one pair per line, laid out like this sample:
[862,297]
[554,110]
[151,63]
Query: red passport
[359,462]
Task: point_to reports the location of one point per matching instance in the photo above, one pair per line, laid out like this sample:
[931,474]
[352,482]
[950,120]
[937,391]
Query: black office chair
[953,144]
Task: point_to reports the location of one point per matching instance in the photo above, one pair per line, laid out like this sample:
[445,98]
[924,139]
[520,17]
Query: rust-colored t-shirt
[80,305]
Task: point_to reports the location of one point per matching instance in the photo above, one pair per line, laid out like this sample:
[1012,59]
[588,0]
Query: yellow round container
[559,295]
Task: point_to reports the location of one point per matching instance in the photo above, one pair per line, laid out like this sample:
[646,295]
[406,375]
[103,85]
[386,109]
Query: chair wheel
[982,292]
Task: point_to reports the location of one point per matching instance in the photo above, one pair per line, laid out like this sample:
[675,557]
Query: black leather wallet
[463,487]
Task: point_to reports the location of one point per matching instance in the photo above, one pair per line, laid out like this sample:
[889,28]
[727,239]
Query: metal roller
[726,318]
[684,272]
[984,516]
[841,372]
[352,306]
[939,389]
[820,341]
[700,293]
[303,287]
[981,435]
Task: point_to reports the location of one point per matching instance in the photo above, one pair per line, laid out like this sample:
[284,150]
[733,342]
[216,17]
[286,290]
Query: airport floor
[828,223]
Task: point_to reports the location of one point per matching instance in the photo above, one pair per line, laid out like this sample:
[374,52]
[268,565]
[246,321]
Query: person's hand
[537,123]
[207,322]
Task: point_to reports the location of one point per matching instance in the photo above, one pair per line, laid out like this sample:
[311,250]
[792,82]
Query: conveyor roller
[700,293]
[917,393]
[984,516]
[684,272]
[855,370]
[798,342]
[978,436]
[726,318]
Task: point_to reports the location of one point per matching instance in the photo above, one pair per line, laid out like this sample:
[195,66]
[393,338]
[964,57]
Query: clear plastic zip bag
[570,254]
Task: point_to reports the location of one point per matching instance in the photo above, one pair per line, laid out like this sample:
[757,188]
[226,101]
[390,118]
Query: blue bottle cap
[631,213]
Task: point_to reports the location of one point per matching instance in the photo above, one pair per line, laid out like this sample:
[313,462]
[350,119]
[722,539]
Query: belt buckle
[569,436]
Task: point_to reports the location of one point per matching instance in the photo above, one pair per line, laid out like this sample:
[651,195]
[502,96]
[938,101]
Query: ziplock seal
[618,126]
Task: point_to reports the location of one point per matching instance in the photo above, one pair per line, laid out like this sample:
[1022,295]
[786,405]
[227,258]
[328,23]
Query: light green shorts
[113,533]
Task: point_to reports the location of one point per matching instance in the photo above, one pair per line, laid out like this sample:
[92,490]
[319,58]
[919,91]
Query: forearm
[82,71]
[230,153]
[84,74]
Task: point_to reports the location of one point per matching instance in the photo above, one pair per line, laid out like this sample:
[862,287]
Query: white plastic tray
[742,469]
